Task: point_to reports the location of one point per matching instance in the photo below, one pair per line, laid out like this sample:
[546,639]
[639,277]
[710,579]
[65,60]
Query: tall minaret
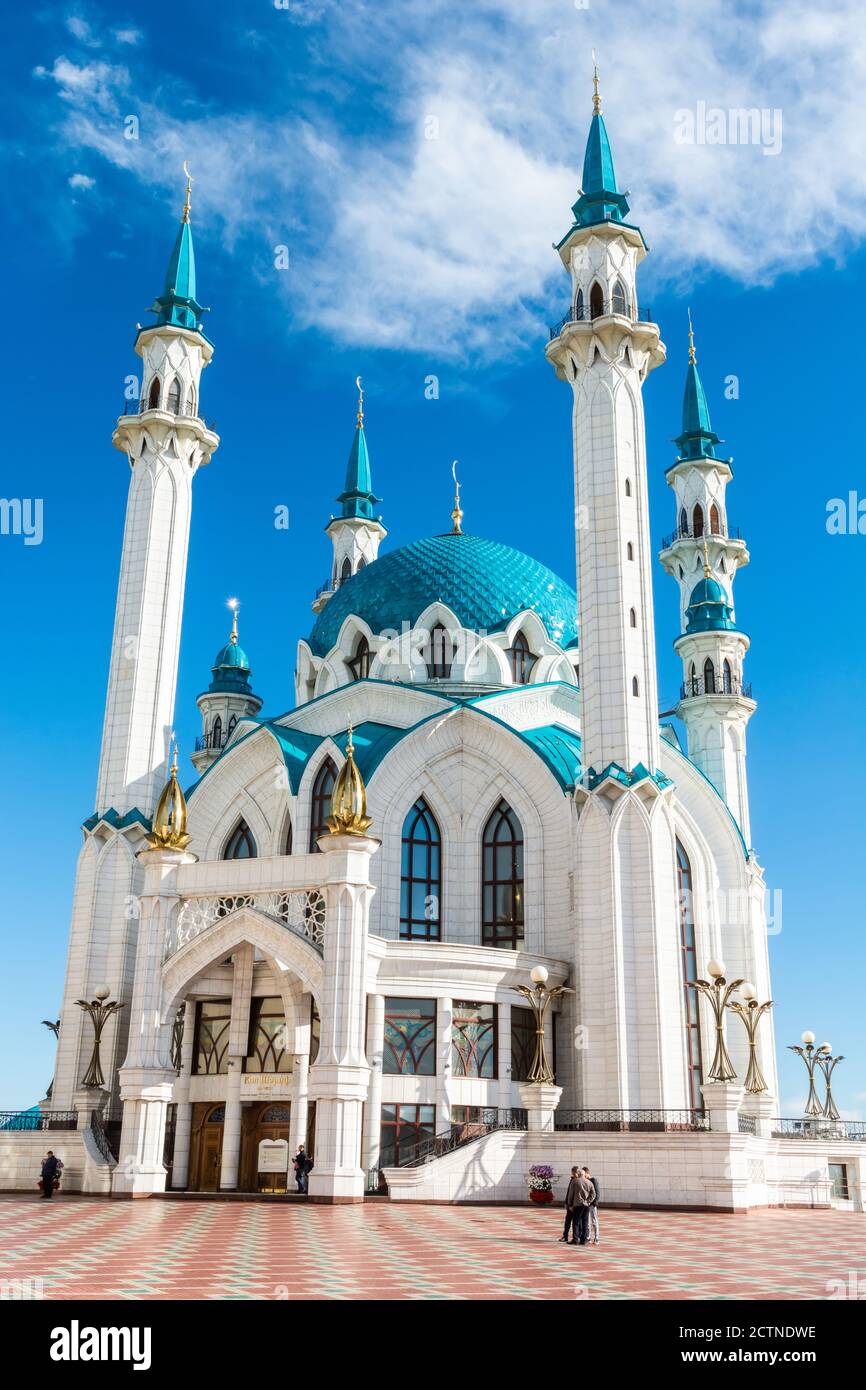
[702,555]
[626,966]
[165,441]
[604,349]
[356,533]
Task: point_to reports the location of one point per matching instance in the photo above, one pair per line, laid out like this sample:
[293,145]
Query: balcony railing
[301,912]
[747,1124]
[820,1128]
[632,1121]
[28,1120]
[717,686]
[211,740]
[688,533]
[584,313]
[141,407]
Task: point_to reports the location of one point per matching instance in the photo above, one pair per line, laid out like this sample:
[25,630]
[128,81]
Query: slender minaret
[356,533]
[626,969]
[228,698]
[604,350]
[165,441]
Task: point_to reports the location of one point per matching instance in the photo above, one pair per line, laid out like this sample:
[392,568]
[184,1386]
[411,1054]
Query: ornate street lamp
[810,1057]
[751,1013]
[100,1012]
[826,1061]
[717,992]
[540,999]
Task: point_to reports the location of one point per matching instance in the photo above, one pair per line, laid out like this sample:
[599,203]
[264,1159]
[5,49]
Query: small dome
[233,656]
[709,609]
[483,582]
[709,590]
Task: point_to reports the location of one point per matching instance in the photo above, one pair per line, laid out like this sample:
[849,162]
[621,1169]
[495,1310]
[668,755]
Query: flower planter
[541,1195]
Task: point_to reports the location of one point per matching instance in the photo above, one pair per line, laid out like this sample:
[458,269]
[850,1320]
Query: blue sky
[418,160]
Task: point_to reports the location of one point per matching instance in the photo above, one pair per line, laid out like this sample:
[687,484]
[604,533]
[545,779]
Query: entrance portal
[207,1148]
[265,1148]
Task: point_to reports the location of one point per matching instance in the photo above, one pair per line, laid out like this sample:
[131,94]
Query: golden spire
[596,94]
[349,800]
[360,402]
[169,822]
[234,606]
[708,574]
[457,513]
[693,356]
[185,214]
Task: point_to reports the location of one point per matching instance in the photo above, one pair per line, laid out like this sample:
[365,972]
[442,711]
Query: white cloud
[444,245]
[81,181]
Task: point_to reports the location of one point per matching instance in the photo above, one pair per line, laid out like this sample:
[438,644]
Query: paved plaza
[157,1249]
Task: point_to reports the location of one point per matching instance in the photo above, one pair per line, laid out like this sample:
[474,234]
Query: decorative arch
[632,618]
[521,659]
[635,686]
[359,663]
[240,844]
[628,487]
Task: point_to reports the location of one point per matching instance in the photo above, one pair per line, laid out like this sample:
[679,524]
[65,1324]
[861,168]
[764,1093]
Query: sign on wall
[273,1156]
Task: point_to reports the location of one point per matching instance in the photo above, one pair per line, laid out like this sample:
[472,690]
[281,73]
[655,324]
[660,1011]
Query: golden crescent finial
[186,204]
[456,514]
[596,94]
[360,402]
[708,574]
[234,605]
[693,356]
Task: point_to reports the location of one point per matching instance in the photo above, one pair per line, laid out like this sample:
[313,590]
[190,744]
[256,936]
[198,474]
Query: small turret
[356,533]
[228,698]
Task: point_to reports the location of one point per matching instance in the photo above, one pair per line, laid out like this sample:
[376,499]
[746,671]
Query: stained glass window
[410,1037]
[241,844]
[420,876]
[502,880]
[210,1052]
[268,1049]
[473,1039]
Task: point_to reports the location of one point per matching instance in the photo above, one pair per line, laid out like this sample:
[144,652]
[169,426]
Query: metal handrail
[583,313]
[142,408]
[204,741]
[631,1121]
[747,1124]
[100,1137]
[27,1121]
[819,1128]
[698,686]
[466,1132]
[688,533]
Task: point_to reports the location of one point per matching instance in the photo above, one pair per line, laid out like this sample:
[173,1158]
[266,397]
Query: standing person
[584,1195]
[592,1211]
[50,1168]
[299,1163]
[570,1209]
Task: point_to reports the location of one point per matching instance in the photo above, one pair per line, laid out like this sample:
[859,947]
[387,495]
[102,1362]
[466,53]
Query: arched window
[360,662]
[628,487]
[320,802]
[689,960]
[502,880]
[684,522]
[521,660]
[441,654]
[619,299]
[632,618]
[727,678]
[596,301]
[626,355]
[216,733]
[153,394]
[635,688]
[290,839]
[241,844]
[578,306]
[722,565]
[698,520]
[421,876]
[173,397]
[232,723]
[629,551]
[693,679]
[361,564]
[190,404]
[709,677]
[715,521]
[345,570]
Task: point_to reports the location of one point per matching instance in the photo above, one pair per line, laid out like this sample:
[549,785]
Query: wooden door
[211,1157]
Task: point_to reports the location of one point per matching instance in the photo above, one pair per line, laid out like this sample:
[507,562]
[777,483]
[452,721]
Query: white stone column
[340,1075]
[183,1120]
[503,1048]
[239,1036]
[444,1021]
[373,1107]
[722,1100]
[540,1102]
[300,1103]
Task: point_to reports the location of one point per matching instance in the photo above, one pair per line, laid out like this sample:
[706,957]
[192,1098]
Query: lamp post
[810,1057]
[100,1012]
[717,991]
[540,999]
[751,1013]
[827,1062]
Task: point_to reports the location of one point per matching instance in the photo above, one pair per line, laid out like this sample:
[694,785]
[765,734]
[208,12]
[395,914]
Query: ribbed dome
[709,609]
[231,655]
[483,582]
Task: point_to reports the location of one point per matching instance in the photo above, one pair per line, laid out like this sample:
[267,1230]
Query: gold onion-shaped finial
[360,402]
[457,513]
[349,801]
[596,94]
[169,822]
[693,356]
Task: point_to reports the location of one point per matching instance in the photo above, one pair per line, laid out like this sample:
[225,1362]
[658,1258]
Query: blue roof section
[709,609]
[358,498]
[177,306]
[483,582]
[116,821]
[698,439]
[560,749]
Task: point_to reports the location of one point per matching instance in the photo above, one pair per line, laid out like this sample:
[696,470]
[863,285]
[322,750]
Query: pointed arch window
[361,565]
[240,844]
[709,677]
[441,654]
[520,659]
[689,966]
[632,618]
[698,520]
[619,298]
[173,397]
[693,678]
[715,521]
[290,839]
[727,678]
[345,570]
[359,665]
[153,394]
[232,725]
[596,301]
[502,906]
[578,306]
[629,551]
[320,801]
[635,687]
[684,522]
[628,487]
[421,876]
[216,733]
[191,402]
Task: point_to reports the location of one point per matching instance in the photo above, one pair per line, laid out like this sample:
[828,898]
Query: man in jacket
[584,1193]
[592,1211]
[570,1209]
[49,1173]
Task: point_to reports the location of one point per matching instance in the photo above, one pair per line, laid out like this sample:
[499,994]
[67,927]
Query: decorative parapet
[301,912]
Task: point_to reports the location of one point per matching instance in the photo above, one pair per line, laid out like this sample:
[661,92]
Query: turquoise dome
[483,582]
[231,655]
[709,609]
[231,670]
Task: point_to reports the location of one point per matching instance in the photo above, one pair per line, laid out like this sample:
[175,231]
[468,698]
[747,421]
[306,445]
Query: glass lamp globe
[808,1038]
[748,991]
[538,975]
[101,992]
[825,1047]
[716,968]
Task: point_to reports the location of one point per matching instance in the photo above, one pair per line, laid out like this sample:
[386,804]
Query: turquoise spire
[599,199]
[357,497]
[231,668]
[177,306]
[697,439]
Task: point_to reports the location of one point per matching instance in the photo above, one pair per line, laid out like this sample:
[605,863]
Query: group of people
[581,1209]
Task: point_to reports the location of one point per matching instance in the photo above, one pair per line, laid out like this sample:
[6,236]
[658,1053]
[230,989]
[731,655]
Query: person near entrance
[51,1167]
[302,1163]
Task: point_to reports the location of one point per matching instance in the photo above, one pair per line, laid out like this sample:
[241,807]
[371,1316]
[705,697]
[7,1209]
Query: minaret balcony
[687,533]
[697,686]
[211,742]
[133,408]
[610,308]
